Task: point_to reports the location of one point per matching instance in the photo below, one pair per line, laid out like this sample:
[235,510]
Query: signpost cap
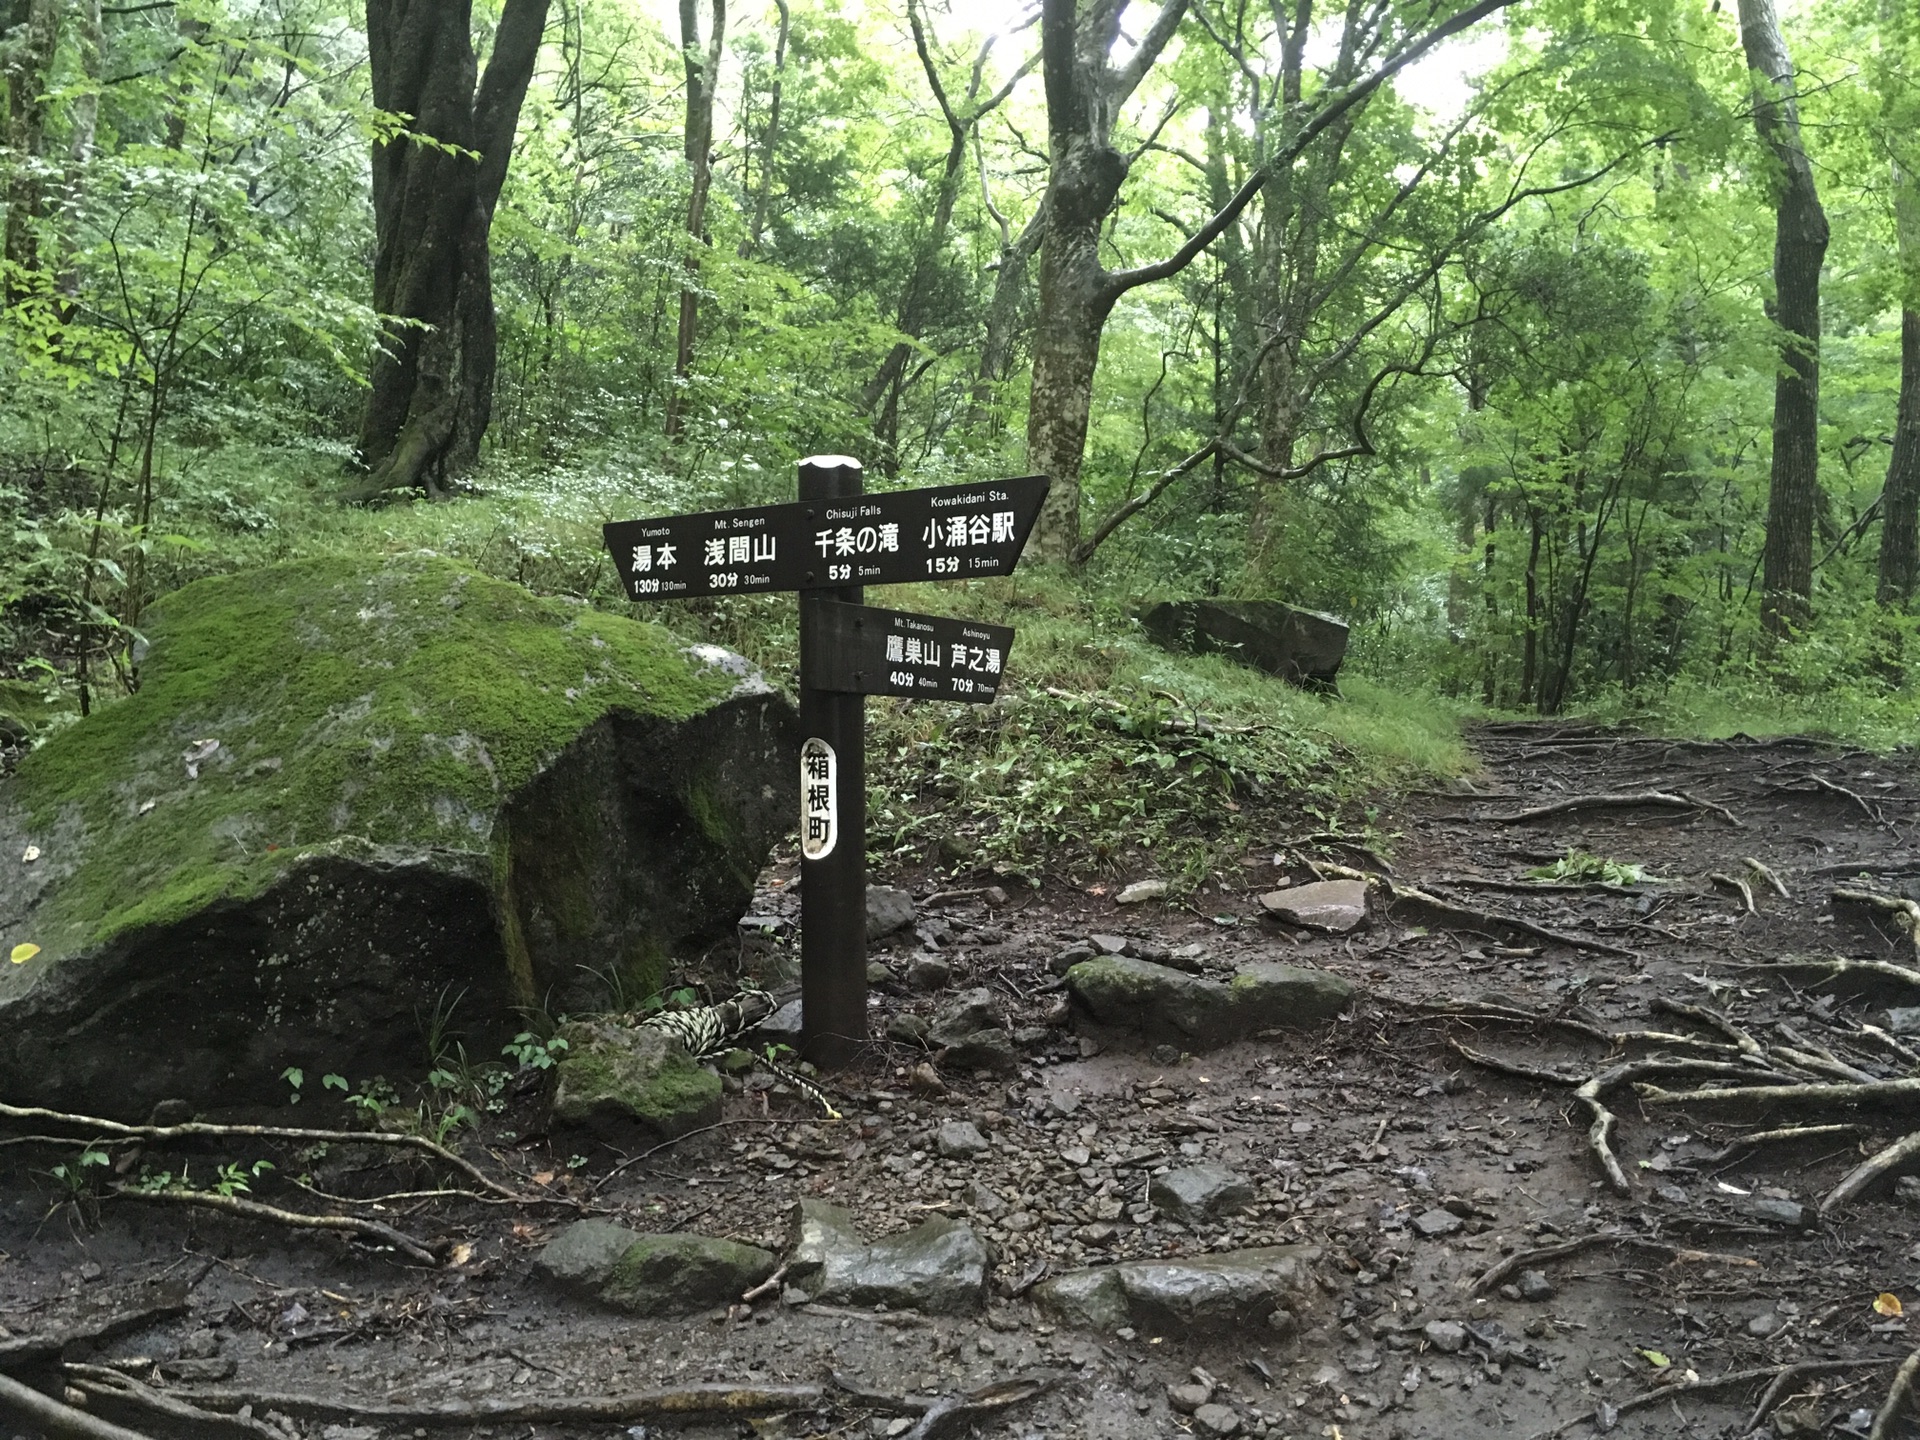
[829,462]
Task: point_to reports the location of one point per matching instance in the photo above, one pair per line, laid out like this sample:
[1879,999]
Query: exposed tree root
[99,1381]
[1783,1136]
[1905,913]
[1878,1092]
[1735,882]
[1868,976]
[56,1420]
[1774,882]
[1868,1172]
[28,1350]
[1465,914]
[1896,1401]
[1682,1386]
[1660,799]
[92,1127]
[1529,1259]
[704,1400]
[1712,1020]
[372,1230]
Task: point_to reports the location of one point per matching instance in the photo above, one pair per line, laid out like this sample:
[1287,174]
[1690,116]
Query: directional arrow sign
[864,650]
[941,532]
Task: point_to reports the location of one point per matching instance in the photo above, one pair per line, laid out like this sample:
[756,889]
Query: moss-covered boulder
[615,1079]
[350,791]
[651,1275]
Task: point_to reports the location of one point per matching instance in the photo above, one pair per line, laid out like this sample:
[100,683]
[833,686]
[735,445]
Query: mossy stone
[682,1274]
[614,1078]
[427,783]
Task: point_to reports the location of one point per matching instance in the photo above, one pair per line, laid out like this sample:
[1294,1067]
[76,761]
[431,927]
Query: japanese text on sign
[819,800]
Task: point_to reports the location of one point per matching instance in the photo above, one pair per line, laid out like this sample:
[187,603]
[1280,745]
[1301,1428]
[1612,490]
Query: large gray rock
[1232,1291]
[616,1079]
[1335,906]
[939,1267]
[1272,996]
[1160,1002]
[967,1029]
[888,910]
[353,786]
[1197,1193]
[640,1274]
[1164,1004]
[1303,646]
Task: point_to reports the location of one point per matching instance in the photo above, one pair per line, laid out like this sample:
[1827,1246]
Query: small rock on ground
[888,910]
[1335,906]
[1140,891]
[960,1140]
[939,1267]
[1199,1193]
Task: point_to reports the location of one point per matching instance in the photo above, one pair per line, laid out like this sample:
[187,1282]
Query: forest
[412,1011]
[1569,350]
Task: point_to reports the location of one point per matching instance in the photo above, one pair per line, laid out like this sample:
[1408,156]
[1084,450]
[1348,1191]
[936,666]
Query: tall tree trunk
[33,34]
[1900,505]
[1799,247]
[703,72]
[432,384]
[770,140]
[1075,300]
[1003,321]
[83,123]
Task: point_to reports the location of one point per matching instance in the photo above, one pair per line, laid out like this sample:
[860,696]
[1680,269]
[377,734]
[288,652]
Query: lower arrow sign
[864,650]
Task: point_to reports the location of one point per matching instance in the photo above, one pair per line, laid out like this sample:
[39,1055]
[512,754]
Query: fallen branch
[638,1406]
[98,1128]
[99,1381]
[955,1413]
[1896,1400]
[255,1210]
[57,1421]
[768,1286]
[1784,1381]
[1531,1259]
[1875,1167]
[1905,913]
[1661,799]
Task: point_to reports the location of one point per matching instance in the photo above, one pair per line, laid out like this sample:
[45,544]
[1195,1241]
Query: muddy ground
[1415,1167]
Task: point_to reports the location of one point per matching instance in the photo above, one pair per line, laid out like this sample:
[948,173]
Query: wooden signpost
[829,544]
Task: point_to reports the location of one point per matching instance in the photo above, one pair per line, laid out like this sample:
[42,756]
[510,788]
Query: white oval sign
[819,799]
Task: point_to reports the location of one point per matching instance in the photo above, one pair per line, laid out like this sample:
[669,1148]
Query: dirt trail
[1377,1137]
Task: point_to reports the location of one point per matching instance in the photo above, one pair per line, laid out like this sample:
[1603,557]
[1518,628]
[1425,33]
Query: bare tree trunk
[770,141]
[1003,319]
[703,73]
[33,33]
[432,384]
[1900,505]
[1799,247]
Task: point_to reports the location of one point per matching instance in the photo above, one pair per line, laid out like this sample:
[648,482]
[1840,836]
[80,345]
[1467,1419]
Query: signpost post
[829,544]
[833,858]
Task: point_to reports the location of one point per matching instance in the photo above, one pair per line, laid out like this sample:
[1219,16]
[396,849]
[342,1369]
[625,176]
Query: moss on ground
[360,705]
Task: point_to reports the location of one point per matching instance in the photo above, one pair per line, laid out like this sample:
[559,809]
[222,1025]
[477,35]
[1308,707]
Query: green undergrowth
[1872,716]
[1145,761]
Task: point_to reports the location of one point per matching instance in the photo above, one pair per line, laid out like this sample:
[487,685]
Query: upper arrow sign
[942,532]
